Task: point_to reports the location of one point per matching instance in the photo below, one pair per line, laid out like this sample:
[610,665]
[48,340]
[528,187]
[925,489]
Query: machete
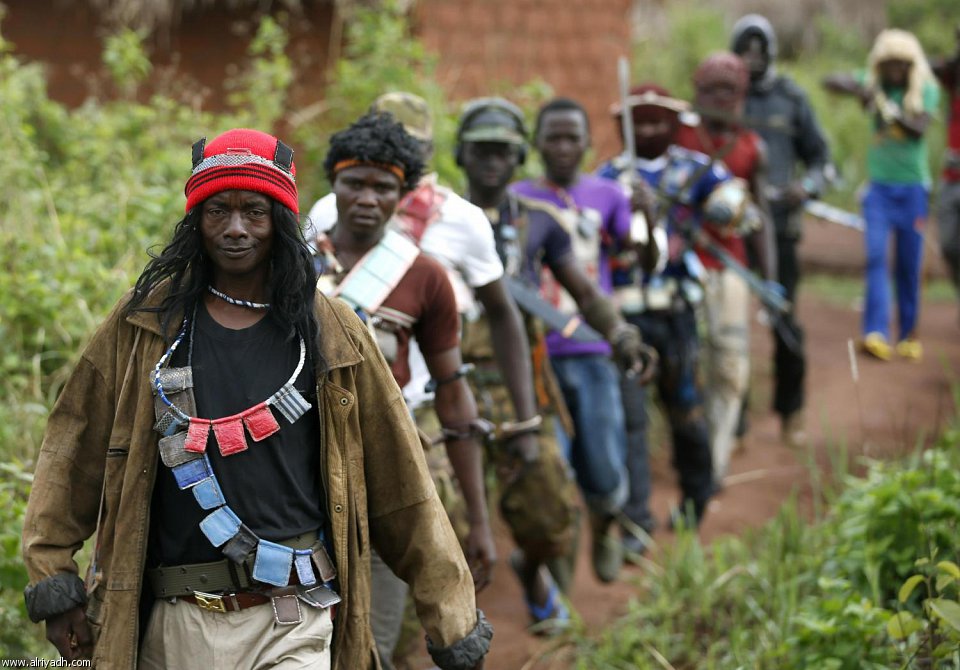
[528,299]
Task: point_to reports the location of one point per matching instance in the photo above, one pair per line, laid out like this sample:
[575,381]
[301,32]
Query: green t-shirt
[894,157]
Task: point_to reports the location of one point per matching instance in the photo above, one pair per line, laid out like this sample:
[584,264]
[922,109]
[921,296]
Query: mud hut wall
[487,47]
[197,54]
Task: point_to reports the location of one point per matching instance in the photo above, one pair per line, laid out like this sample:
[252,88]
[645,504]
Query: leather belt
[179,581]
[226,602]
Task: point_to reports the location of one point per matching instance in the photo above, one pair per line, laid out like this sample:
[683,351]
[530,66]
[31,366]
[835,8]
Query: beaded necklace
[184,452]
[237,301]
[228,430]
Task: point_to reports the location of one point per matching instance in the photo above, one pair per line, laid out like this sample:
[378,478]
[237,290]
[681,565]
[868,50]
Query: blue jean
[900,209]
[591,389]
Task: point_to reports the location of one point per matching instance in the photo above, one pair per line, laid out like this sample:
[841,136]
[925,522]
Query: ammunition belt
[185,580]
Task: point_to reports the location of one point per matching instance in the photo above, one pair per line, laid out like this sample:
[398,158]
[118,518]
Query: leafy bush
[933,636]
[793,595]
[18,638]
[892,517]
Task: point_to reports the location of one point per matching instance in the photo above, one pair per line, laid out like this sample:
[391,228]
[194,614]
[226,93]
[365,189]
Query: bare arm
[598,311]
[915,126]
[763,240]
[643,199]
[456,409]
[845,84]
[512,351]
[579,286]
[946,69]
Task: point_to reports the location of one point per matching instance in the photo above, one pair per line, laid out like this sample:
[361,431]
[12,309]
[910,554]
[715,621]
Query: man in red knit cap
[237,443]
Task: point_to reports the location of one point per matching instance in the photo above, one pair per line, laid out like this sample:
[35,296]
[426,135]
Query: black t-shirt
[274,486]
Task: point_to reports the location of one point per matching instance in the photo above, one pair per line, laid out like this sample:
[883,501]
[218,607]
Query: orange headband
[396,170]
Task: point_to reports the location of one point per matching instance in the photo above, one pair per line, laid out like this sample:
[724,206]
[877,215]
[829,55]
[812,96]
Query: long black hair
[184,264]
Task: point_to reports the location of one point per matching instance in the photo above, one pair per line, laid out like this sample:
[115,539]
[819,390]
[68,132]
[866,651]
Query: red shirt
[953,136]
[742,159]
[424,299]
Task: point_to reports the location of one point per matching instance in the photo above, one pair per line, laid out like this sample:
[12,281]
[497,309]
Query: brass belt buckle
[210,602]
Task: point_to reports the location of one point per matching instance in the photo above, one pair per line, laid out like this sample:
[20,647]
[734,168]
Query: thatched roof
[153,14]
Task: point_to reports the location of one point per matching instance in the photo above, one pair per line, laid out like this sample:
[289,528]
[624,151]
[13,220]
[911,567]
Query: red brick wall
[488,46]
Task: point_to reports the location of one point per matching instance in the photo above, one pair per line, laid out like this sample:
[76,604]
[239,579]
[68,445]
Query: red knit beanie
[246,160]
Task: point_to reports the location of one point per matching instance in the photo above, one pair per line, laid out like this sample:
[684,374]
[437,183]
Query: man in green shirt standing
[899,91]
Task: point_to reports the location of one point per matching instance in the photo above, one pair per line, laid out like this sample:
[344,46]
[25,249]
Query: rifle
[769,297]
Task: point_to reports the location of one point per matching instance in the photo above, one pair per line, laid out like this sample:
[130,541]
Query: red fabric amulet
[230,436]
[197,436]
[260,422]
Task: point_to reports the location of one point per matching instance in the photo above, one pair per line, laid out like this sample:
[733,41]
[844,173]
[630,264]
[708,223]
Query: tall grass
[793,594]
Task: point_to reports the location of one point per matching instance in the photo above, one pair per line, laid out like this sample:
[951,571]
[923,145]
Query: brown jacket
[99,438]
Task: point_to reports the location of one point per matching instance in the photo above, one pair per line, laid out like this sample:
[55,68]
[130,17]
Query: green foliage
[17,640]
[892,517]
[381,56]
[258,93]
[932,634]
[932,21]
[837,594]
[88,193]
[695,31]
[126,59]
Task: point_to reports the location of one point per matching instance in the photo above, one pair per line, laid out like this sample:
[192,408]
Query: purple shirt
[593,201]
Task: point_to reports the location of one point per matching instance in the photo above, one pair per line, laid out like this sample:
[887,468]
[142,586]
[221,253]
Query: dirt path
[883,413]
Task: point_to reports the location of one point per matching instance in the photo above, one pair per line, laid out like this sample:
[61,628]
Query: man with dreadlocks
[900,93]
[720,85]
[402,294]
[783,117]
[212,550]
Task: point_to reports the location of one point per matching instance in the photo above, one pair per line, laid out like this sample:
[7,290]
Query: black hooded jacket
[785,120]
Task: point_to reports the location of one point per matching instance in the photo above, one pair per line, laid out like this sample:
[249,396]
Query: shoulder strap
[532,203]
[374,276]
[419,209]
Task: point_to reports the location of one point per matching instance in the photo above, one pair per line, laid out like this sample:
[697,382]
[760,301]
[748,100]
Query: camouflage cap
[491,120]
[410,110]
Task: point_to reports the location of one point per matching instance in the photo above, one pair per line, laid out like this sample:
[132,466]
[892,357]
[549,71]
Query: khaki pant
[388,599]
[727,310]
[183,636]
